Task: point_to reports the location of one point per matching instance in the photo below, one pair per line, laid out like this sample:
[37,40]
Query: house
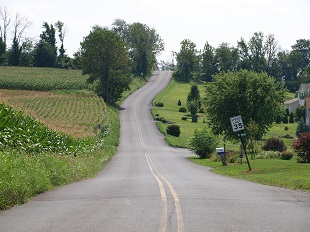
[307,109]
[292,105]
[302,93]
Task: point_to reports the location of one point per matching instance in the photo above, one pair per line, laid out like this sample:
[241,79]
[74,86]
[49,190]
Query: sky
[201,21]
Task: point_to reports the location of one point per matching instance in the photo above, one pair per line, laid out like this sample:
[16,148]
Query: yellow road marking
[156,174]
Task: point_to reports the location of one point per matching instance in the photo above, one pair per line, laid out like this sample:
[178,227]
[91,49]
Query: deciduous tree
[208,62]
[257,97]
[105,58]
[187,61]
[143,44]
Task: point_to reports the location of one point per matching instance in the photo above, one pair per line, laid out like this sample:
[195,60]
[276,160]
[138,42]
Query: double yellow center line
[159,178]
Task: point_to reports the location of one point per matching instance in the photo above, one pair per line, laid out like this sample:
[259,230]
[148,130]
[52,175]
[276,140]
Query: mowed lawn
[283,173]
[179,91]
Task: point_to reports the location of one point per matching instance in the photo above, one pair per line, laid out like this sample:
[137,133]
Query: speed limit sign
[237,123]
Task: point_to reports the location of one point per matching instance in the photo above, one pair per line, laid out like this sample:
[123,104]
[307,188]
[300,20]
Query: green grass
[289,96]
[179,91]
[274,172]
[170,97]
[23,175]
[288,174]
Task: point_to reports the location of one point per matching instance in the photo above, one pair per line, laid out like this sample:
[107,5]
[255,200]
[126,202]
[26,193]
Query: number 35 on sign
[237,123]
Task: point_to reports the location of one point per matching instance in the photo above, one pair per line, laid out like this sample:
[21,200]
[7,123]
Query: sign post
[237,125]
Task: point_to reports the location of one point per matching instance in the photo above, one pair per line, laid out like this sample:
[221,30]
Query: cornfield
[77,115]
[42,79]
[22,132]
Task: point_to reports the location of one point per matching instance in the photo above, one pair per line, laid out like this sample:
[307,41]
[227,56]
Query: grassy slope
[179,91]
[271,172]
[170,97]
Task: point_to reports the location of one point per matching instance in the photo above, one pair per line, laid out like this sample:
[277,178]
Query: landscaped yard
[178,91]
[276,172]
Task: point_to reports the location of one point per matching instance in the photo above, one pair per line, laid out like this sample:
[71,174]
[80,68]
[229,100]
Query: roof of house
[304,87]
[289,102]
[307,103]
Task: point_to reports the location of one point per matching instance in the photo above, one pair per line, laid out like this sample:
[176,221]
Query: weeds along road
[149,186]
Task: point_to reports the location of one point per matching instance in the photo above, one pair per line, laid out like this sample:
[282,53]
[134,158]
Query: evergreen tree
[2,51]
[15,53]
[46,51]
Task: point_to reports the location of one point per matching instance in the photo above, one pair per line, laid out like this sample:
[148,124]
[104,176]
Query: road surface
[149,186]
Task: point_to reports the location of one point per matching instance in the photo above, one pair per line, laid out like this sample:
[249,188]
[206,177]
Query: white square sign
[237,123]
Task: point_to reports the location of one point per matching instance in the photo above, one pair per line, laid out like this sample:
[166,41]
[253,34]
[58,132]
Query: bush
[193,106]
[278,119]
[184,118]
[179,103]
[268,155]
[286,128]
[286,155]
[203,143]
[302,127]
[285,119]
[159,104]
[173,130]
[183,109]
[302,147]
[274,144]
[291,119]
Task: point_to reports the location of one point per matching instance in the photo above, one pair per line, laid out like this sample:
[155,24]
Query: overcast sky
[215,21]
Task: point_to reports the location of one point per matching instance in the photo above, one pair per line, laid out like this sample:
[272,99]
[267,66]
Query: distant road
[149,186]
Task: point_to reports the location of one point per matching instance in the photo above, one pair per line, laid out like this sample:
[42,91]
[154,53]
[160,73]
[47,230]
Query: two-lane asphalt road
[149,186]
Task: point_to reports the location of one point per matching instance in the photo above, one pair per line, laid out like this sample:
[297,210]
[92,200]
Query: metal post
[244,149]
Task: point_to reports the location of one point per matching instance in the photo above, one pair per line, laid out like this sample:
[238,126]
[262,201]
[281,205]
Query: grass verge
[282,173]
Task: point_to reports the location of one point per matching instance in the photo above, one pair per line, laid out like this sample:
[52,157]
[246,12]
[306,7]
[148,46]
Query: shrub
[286,155]
[302,147]
[183,109]
[184,118]
[268,155]
[203,143]
[158,118]
[193,106]
[285,119]
[179,103]
[291,119]
[159,104]
[302,127]
[286,128]
[173,130]
[163,120]
[274,144]
[278,119]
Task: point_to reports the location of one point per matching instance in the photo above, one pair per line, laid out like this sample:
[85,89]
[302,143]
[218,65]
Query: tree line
[112,56]
[260,54]
[142,44]
[24,51]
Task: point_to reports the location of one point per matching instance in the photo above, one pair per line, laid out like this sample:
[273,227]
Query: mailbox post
[221,152]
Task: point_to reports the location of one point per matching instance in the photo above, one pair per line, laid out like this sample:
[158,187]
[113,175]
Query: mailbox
[220,150]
